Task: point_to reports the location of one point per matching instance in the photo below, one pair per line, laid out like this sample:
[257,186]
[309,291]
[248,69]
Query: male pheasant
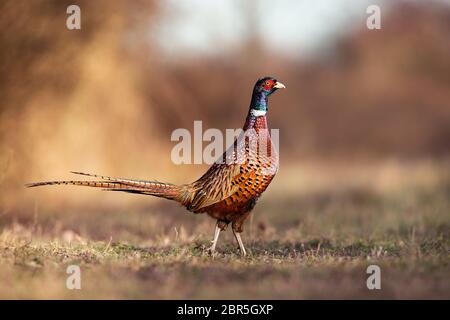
[228,191]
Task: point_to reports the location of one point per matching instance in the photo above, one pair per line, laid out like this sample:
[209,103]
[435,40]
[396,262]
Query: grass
[301,244]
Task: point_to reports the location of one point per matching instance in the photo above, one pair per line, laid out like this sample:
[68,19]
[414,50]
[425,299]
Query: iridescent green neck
[259,101]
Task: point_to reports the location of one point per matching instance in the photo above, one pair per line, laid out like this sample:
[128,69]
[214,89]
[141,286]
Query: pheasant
[228,191]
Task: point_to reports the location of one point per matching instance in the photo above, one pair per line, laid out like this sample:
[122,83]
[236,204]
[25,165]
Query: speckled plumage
[228,191]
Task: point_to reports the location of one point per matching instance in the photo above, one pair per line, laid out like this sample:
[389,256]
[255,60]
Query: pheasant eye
[268,83]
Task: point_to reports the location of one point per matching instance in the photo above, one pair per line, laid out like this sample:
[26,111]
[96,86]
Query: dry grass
[313,243]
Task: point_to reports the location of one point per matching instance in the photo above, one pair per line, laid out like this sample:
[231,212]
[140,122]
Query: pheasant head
[263,88]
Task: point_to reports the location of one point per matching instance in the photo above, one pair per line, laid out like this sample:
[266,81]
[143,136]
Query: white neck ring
[258,113]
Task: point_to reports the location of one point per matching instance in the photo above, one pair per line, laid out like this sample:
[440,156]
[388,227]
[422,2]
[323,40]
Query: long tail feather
[131,182]
[154,188]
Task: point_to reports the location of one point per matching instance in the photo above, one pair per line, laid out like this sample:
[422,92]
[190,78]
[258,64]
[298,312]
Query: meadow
[312,237]
[364,148]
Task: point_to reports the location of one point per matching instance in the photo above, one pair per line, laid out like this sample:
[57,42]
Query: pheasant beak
[279,85]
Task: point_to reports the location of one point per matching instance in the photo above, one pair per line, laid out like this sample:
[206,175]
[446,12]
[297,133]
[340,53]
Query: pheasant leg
[216,237]
[237,235]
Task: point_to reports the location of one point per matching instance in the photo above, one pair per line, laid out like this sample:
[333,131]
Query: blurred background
[106,98]
[364,141]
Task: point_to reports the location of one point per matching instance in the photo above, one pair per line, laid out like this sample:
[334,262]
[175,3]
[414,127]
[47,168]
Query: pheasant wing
[217,184]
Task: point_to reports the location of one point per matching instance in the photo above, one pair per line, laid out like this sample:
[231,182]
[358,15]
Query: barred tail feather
[154,188]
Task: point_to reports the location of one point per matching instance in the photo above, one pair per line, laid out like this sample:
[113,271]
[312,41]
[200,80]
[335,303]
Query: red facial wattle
[268,84]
